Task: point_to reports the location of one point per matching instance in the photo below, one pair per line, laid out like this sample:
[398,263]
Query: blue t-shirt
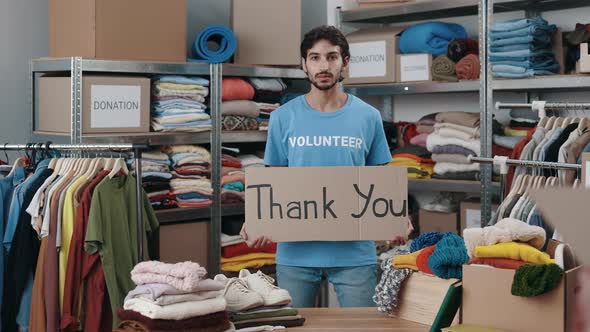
[299,136]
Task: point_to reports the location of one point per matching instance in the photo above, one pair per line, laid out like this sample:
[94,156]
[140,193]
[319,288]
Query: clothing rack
[504,162]
[135,148]
[542,106]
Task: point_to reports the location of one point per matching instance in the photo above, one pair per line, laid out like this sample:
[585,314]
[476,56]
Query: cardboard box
[327,203]
[559,50]
[185,242]
[414,67]
[583,65]
[114,29]
[268,32]
[471,214]
[437,221]
[421,297]
[487,298]
[373,55]
[110,104]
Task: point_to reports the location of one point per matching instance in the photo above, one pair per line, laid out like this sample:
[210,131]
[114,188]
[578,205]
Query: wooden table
[353,319]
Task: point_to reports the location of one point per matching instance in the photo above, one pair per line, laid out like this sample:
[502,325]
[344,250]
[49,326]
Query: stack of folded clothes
[424,127]
[268,90]
[174,297]
[250,160]
[254,301]
[191,169]
[238,111]
[521,48]
[155,177]
[522,124]
[239,256]
[265,110]
[456,136]
[416,159]
[179,104]
[233,182]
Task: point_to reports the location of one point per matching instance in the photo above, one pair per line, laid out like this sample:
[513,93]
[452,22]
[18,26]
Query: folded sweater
[460,118]
[184,276]
[244,108]
[513,250]
[438,140]
[176,311]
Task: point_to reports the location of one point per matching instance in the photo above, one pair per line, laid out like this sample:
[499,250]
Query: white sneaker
[237,294]
[264,285]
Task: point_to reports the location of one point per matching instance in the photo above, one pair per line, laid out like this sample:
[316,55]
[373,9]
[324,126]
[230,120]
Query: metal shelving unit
[471,187]
[185,215]
[251,136]
[484,9]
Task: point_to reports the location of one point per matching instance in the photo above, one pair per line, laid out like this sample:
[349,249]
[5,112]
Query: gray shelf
[120,66]
[261,71]
[554,83]
[154,138]
[412,88]
[248,136]
[436,9]
[197,214]
[434,185]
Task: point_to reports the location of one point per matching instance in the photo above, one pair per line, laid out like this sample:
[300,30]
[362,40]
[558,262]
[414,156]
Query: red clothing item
[500,151]
[74,279]
[422,259]
[501,263]
[162,198]
[243,249]
[231,164]
[236,89]
[516,152]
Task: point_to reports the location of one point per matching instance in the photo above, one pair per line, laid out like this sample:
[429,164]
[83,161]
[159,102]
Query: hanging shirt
[112,232]
[7,186]
[299,136]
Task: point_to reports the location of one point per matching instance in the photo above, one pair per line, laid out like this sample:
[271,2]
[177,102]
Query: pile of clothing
[171,297]
[522,48]
[434,253]
[522,123]
[265,110]
[404,132]
[268,90]
[254,301]
[155,177]
[515,245]
[416,159]
[179,104]
[236,256]
[251,160]
[464,53]
[191,184]
[233,179]
[238,110]
[455,137]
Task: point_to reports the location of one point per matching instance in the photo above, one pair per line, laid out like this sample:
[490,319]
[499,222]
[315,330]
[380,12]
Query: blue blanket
[430,37]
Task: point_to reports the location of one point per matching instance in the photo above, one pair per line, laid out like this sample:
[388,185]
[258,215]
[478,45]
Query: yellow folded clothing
[514,250]
[515,132]
[406,261]
[249,261]
[176,86]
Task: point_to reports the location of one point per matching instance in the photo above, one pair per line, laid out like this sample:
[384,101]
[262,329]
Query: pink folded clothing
[183,276]
[419,140]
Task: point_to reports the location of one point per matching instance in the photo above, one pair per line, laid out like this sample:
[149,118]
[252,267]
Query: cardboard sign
[327,203]
[566,210]
[115,106]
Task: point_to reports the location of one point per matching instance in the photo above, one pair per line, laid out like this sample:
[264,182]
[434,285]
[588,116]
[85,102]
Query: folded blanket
[468,68]
[425,129]
[268,107]
[155,176]
[501,263]
[454,133]
[419,140]
[444,168]
[154,168]
[513,250]
[249,160]
[505,230]
[534,280]
[182,183]
[197,95]
[233,178]
[430,37]
[243,249]
[193,127]
[443,69]
[155,155]
[450,158]
[156,290]
[183,118]
[438,140]
[197,88]
[174,149]
[233,122]
[236,89]
[176,311]
[471,132]
[460,48]
[209,320]
[268,84]
[461,118]
[184,276]
[245,108]
[181,79]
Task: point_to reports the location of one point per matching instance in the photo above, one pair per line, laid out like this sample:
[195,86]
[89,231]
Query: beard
[322,86]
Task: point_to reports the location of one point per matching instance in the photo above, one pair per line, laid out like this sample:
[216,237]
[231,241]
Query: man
[328,113]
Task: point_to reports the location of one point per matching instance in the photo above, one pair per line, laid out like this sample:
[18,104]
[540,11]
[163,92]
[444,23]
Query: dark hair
[328,33]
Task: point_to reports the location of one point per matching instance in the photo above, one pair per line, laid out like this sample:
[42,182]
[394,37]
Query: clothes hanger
[524,184]
[543,122]
[110,162]
[583,124]
[567,122]
[119,166]
[558,122]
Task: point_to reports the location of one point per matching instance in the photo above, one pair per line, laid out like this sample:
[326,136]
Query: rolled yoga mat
[220,35]
[443,69]
[468,68]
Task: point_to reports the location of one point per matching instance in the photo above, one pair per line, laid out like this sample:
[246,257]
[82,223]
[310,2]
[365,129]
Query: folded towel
[461,118]
[236,89]
[183,118]
[430,37]
[468,68]
[513,250]
[184,276]
[460,48]
[245,108]
[443,69]
[176,311]
[198,95]
[505,230]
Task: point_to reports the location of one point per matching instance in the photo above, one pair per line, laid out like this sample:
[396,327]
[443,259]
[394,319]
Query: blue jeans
[518,23]
[533,30]
[535,40]
[355,286]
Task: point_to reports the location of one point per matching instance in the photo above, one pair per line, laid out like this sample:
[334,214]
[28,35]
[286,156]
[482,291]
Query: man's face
[324,65]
